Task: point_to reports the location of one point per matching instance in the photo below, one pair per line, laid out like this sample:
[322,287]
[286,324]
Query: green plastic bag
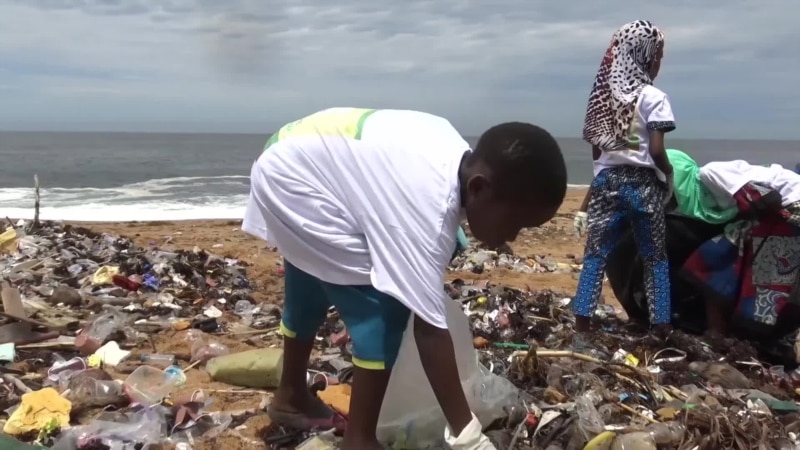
[260,368]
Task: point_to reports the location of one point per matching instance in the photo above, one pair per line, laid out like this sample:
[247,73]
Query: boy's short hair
[526,163]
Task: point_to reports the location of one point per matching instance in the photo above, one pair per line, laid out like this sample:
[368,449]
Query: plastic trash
[721,373]
[634,441]
[103,275]
[62,366]
[471,437]
[92,337]
[37,410]
[175,376]
[411,415]
[666,433]
[111,355]
[149,385]
[204,351]
[260,368]
[140,429]
[590,422]
[243,308]
[319,442]
[93,392]
[158,360]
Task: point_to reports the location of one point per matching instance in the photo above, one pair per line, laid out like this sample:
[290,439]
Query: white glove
[670,189]
[471,437]
[580,223]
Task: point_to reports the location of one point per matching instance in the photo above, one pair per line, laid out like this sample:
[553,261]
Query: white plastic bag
[411,417]
[471,438]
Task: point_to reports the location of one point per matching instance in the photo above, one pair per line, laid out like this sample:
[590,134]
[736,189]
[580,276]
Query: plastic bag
[471,438]
[590,422]
[411,417]
[143,428]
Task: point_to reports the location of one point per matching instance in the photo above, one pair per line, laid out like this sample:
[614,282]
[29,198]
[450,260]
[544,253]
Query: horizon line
[251,133]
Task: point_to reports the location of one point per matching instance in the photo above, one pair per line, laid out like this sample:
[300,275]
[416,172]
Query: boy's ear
[479,186]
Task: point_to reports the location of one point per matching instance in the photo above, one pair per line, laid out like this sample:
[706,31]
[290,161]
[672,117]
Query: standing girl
[626,120]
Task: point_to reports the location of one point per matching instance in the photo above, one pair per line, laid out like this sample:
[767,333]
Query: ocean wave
[179,198]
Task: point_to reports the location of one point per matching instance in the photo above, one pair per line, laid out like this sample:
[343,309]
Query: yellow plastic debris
[631,360]
[601,442]
[8,241]
[37,410]
[104,275]
[94,361]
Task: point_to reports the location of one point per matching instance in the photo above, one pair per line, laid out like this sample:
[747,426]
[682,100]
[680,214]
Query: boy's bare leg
[369,387]
[293,395]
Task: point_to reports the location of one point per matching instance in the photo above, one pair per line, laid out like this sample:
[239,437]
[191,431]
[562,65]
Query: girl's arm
[585,203]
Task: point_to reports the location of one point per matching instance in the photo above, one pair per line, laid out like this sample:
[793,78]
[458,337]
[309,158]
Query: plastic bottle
[666,433]
[639,440]
[158,360]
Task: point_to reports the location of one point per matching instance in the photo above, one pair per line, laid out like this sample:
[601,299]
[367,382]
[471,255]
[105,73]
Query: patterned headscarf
[624,72]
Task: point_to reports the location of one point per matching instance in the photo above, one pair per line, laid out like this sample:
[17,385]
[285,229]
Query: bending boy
[365,207]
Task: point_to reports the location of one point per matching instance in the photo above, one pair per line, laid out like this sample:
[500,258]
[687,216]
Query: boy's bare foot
[304,411]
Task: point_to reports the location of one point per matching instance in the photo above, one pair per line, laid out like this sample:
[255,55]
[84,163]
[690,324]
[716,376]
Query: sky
[252,65]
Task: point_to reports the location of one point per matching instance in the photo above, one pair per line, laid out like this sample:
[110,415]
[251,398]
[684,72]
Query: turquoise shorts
[375,321]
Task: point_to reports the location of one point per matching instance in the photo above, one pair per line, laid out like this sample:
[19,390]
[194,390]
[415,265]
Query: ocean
[158,176]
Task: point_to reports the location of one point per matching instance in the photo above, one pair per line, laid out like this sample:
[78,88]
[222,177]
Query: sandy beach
[555,240]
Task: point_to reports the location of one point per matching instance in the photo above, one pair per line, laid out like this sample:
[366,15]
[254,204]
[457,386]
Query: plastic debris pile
[78,366]
[620,387]
[478,260]
[79,369]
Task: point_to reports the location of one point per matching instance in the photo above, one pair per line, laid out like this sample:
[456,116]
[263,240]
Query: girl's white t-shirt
[382,209]
[726,178]
[653,112]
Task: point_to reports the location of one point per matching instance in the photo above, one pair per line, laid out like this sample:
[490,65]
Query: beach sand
[555,239]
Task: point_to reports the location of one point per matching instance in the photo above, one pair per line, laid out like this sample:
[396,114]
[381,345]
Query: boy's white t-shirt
[725,178]
[653,112]
[360,197]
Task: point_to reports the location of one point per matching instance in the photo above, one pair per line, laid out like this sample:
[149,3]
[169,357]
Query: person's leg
[606,219]
[376,323]
[305,309]
[644,197]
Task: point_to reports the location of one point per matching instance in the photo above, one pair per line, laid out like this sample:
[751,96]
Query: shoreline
[555,240]
[574,193]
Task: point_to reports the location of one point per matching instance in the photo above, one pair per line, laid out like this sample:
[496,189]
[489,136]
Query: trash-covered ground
[622,384]
[106,344]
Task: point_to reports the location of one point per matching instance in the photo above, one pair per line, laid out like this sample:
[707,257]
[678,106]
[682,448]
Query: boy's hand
[439,362]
